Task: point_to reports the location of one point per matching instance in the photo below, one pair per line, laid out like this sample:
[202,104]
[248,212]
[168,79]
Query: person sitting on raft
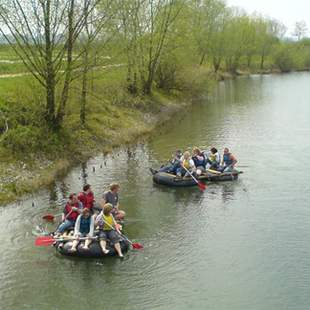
[228,161]
[214,159]
[70,214]
[187,165]
[199,160]
[111,197]
[84,227]
[174,164]
[86,197]
[108,230]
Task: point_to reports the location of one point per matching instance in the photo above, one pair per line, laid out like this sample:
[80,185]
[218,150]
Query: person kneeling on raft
[108,230]
[84,227]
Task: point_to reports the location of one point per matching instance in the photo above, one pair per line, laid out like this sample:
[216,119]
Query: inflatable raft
[93,251]
[169,179]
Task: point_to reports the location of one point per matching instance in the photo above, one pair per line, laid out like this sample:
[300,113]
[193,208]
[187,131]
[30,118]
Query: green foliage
[283,58]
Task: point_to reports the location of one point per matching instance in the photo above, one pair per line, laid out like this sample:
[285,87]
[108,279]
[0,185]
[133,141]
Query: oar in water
[49,240]
[50,217]
[201,185]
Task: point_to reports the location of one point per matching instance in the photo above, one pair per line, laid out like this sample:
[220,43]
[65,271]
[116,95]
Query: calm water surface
[240,245]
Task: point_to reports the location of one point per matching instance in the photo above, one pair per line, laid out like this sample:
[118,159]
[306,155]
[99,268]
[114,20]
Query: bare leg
[103,245]
[74,245]
[118,249]
[87,243]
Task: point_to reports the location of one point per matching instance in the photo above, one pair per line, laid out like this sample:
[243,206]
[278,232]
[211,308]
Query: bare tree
[43,34]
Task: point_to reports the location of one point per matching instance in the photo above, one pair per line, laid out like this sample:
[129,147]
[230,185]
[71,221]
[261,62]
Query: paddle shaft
[190,174]
[123,236]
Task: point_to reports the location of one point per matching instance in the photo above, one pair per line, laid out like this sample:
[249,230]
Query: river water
[238,245]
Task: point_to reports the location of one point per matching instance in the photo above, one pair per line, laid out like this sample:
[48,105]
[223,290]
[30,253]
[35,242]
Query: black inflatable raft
[172,180]
[93,251]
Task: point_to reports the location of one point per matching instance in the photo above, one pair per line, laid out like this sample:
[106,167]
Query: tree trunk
[216,63]
[202,59]
[262,60]
[84,88]
[50,83]
[65,90]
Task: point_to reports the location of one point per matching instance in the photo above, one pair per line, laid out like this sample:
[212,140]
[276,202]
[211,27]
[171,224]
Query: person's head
[86,212]
[178,153]
[213,150]
[226,150]
[196,151]
[114,187]
[86,188]
[73,199]
[187,155]
[107,208]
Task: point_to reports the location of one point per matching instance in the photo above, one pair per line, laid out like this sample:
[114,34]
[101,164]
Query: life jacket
[186,164]
[107,219]
[87,199]
[199,160]
[74,214]
[227,159]
[85,225]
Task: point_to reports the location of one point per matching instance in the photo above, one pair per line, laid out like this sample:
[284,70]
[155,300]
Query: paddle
[50,217]
[201,185]
[49,240]
[136,246]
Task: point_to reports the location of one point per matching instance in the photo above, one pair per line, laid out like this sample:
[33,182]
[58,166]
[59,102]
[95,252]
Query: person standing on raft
[108,230]
[84,227]
[112,197]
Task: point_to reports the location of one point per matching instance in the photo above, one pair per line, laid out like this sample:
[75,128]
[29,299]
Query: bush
[283,59]
[23,138]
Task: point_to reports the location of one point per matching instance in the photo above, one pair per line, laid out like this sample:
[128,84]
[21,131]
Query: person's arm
[99,220]
[117,226]
[92,226]
[77,226]
[192,164]
[103,200]
[234,160]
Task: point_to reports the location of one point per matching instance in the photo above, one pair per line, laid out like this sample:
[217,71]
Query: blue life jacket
[85,225]
[227,159]
[201,161]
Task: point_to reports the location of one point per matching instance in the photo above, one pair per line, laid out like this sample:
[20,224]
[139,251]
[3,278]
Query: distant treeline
[169,45]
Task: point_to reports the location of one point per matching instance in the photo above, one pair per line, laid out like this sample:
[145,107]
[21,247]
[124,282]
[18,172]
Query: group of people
[184,164]
[82,214]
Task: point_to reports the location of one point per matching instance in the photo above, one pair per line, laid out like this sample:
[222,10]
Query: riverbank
[118,120]
[115,126]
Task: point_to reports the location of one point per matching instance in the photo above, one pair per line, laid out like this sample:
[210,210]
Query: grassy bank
[32,156]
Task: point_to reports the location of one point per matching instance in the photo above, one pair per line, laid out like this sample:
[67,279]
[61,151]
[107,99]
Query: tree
[43,34]
[300,30]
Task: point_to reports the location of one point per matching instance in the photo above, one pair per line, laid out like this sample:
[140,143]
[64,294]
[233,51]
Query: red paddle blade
[202,186]
[137,246]
[48,217]
[44,241]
